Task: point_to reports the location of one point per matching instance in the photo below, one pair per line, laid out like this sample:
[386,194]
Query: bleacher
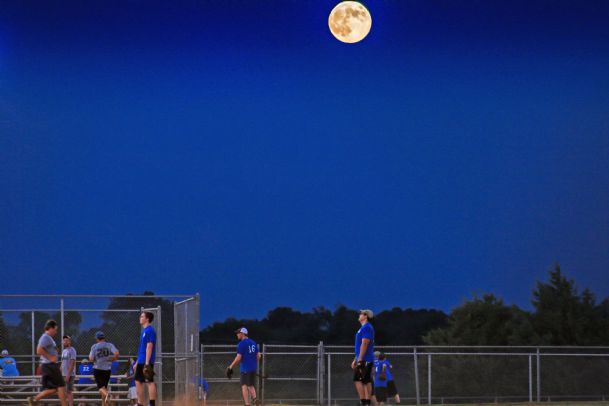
[16,390]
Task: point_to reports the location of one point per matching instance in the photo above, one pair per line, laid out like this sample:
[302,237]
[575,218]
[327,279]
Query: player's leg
[141,396]
[151,393]
[245,395]
[45,393]
[61,393]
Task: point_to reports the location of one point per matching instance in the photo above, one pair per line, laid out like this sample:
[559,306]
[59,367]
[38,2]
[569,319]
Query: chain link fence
[423,375]
[22,319]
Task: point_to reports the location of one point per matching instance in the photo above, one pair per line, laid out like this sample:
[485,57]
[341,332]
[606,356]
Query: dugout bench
[16,390]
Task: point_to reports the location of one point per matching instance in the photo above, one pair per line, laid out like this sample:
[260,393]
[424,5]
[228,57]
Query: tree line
[561,315]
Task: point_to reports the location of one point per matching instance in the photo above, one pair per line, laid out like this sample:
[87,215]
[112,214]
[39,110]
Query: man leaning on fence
[52,380]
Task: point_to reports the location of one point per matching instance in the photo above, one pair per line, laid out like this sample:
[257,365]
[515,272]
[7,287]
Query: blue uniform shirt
[131,373]
[148,336]
[388,371]
[378,368]
[249,355]
[365,331]
[9,366]
[85,369]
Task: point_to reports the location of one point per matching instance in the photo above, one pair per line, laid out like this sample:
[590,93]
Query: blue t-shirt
[148,336]
[388,371]
[9,366]
[85,369]
[365,331]
[249,355]
[378,368]
[113,370]
[131,373]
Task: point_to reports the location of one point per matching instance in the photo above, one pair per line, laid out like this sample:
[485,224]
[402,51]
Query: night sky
[236,149]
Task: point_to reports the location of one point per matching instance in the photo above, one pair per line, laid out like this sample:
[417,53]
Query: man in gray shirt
[102,355]
[52,381]
[68,367]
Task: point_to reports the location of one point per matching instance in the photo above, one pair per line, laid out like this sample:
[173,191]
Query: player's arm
[149,349]
[115,356]
[41,351]
[71,365]
[363,348]
[235,362]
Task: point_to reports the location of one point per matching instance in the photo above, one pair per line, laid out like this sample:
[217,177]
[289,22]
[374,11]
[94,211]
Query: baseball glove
[148,372]
[229,373]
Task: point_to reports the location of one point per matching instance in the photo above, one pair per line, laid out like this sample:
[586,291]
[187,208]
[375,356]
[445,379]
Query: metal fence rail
[424,374]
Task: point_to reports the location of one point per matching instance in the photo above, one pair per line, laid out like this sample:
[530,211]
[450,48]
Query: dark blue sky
[236,149]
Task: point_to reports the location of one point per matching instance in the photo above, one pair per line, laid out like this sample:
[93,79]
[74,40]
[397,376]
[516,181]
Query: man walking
[102,355]
[68,368]
[144,369]
[52,381]
[364,357]
[247,356]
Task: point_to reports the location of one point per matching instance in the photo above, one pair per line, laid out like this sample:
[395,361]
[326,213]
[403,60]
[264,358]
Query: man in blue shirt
[144,369]
[85,369]
[381,376]
[364,357]
[247,356]
[8,365]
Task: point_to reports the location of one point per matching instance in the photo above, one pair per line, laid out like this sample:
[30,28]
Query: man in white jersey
[68,367]
[52,381]
[102,355]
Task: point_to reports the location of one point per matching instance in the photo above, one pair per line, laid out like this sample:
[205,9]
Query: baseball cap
[68,337]
[4,353]
[377,354]
[241,330]
[367,312]
[100,334]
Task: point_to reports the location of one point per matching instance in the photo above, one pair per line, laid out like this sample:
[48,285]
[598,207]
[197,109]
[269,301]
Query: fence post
[62,318]
[34,344]
[320,373]
[530,378]
[429,379]
[262,394]
[538,376]
[329,373]
[416,375]
[159,351]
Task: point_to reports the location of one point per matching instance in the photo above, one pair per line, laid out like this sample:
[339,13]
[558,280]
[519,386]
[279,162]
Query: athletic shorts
[381,393]
[364,376]
[102,377]
[139,374]
[51,376]
[248,378]
[392,390]
[132,393]
[69,384]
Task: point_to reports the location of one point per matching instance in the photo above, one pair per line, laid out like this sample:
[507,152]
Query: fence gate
[187,374]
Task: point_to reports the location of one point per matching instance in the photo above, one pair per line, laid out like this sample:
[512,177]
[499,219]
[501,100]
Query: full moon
[350,21]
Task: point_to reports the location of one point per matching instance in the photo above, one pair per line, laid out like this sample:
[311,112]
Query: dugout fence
[322,374]
[176,322]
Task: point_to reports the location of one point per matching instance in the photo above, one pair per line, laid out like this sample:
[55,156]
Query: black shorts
[139,374]
[392,390]
[364,376]
[102,377]
[248,378]
[51,376]
[380,392]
